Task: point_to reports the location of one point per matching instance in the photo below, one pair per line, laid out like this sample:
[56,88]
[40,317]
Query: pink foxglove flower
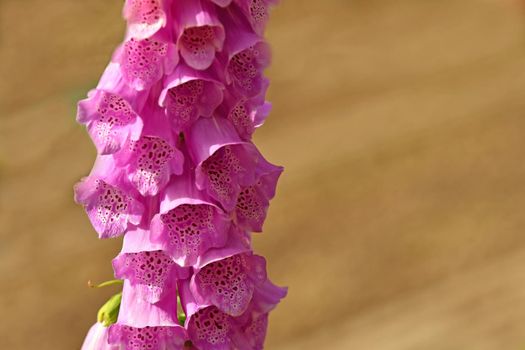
[209,327]
[198,30]
[145,17]
[178,176]
[97,338]
[189,94]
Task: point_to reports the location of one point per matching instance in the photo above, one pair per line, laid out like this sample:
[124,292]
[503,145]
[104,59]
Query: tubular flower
[177,175]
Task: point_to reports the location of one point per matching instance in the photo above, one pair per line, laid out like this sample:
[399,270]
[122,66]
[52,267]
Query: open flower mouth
[199,44]
[246,67]
[145,17]
[227,284]
[143,61]
[150,270]
[189,230]
[110,209]
[150,164]
[224,170]
[187,102]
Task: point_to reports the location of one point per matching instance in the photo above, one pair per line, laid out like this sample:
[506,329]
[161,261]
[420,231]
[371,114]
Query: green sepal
[108,313]
[182,318]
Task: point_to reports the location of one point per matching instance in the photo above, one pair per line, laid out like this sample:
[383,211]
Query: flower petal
[151,338]
[188,225]
[200,33]
[136,311]
[110,119]
[246,67]
[189,94]
[225,283]
[211,329]
[144,17]
[145,61]
[97,339]
[253,201]
[153,271]
[257,12]
[109,208]
[222,3]
[151,160]
[224,162]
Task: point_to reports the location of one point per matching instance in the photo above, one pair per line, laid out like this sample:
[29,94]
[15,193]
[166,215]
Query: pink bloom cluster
[177,174]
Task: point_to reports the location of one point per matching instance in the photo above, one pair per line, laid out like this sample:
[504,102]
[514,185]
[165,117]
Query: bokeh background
[399,222]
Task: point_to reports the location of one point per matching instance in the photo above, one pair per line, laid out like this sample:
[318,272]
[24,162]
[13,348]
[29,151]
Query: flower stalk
[178,176]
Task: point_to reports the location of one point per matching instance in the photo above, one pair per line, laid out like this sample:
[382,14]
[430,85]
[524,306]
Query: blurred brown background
[399,223]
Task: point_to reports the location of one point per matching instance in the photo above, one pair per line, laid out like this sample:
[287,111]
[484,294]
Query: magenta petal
[229,283]
[267,295]
[110,209]
[242,118]
[253,201]
[245,114]
[150,164]
[257,12]
[144,61]
[151,160]
[226,283]
[253,333]
[181,190]
[139,240]
[246,331]
[97,339]
[150,338]
[209,135]
[238,242]
[188,224]
[222,3]
[245,69]
[211,329]
[110,119]
[200,33]
[144,17]
[152,271]
[224,162]
[247,56]
[136,311]
[188,231]
[189,94]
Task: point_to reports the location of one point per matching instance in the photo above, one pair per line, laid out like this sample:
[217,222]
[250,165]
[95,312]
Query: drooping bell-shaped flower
[224,163]
[110,112]
[209,328]
[151,272]
[198,30]
[147,338]
[145,61]
[189,223]
[189,94]
[253,200]
[245,114]
[145,17]
[111,203]
[246,56]
[151,160]
[97,338]
[229,283]
[257,12]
